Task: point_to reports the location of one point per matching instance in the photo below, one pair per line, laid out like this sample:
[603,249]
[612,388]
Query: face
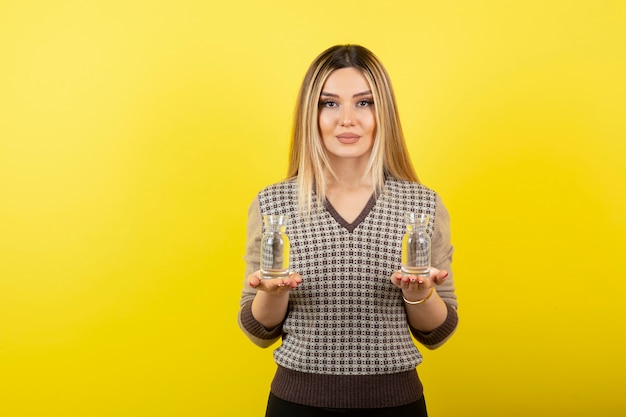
[347,119]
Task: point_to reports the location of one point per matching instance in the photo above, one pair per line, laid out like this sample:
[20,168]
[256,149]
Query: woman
[346,315]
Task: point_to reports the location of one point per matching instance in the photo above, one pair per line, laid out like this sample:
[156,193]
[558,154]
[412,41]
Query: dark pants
[281,408]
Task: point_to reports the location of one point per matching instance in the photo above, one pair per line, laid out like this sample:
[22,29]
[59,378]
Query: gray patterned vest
[346,318]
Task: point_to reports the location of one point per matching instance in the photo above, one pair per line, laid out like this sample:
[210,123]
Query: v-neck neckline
[359,219]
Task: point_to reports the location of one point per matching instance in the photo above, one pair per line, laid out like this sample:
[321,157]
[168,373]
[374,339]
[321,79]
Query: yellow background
[134,134]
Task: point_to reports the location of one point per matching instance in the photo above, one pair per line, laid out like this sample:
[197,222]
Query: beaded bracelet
[432,290]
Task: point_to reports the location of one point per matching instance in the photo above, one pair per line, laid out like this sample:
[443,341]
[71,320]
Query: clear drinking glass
[274,247]
[416,245]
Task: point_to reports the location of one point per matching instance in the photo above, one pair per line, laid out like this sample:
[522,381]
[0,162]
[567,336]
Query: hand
[274,285]
[418,287]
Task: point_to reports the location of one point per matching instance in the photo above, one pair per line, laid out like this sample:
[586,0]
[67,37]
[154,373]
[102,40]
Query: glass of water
[275,249]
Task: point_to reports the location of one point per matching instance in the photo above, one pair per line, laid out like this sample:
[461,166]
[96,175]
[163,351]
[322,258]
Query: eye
[328,103]
[365,103]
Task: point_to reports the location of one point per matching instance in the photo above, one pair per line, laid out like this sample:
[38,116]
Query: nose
[346,118]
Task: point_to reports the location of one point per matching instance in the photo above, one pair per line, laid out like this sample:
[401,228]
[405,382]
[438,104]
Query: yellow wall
[134,134]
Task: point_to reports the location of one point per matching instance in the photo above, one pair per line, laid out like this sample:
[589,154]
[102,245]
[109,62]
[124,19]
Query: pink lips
[348,138]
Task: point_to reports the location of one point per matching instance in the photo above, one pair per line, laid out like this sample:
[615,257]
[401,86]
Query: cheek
[325,122]
[371,124]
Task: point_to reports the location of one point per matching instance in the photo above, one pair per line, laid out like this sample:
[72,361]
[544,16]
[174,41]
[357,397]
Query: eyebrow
[363,93]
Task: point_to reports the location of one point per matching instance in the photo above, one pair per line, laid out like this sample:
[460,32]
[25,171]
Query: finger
[416,278]
[396,278]
[265,284]
[254,280]
[419,284]
[289,282]
[405,281]
[295,278]
[292,281]
[440,277]
[411,282]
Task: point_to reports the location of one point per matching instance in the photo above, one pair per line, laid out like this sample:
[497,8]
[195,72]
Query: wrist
[411,301]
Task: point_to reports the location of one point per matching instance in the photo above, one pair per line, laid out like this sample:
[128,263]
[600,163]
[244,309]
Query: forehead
[346,80]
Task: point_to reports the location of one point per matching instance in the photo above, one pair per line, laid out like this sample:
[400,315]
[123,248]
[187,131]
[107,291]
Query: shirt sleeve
[258,334]
[442,251]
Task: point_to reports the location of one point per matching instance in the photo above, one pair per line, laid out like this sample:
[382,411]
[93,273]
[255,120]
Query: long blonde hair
[308,158]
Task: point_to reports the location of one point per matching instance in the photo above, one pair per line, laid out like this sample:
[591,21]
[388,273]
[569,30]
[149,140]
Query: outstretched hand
[274,285]
[418,286]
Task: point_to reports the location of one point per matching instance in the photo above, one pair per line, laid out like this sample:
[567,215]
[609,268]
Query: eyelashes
[333,104]
[328,103]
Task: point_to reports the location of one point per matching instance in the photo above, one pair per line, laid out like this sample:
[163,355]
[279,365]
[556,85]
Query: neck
[350,175]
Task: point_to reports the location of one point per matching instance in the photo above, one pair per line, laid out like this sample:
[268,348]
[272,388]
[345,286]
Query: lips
[348,138]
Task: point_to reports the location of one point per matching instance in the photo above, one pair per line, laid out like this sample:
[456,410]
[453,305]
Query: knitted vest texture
[346,318]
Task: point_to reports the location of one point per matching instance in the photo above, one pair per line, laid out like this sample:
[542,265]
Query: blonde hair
[308,158]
